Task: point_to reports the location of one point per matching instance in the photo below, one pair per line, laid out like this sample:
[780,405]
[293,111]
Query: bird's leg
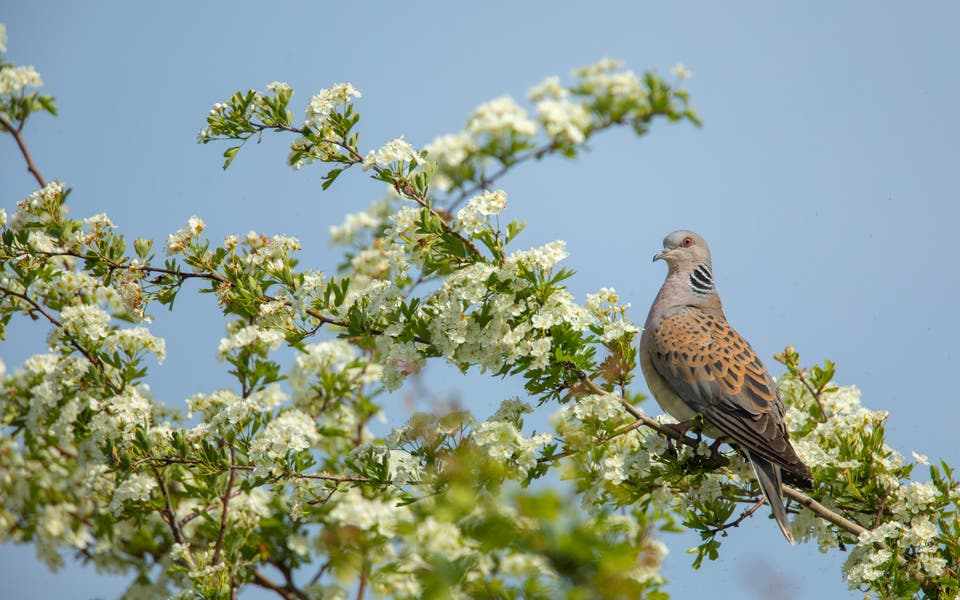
[679,429]
[715,447]
[697,426]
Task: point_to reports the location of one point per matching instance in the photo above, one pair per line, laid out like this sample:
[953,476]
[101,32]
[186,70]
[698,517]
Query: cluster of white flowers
[611,315]
[512,411]
[118,417]
[322,145]
[14,79]
[846,415]
[82,322]
[563,120]
[138,487]
[398,359]
[225,411]
[135,340]
[40,206]
[391,154]
[218,108]
[291,431]
[548,88]
[281,86]
[603,79]
[504,443]
[681,72]
[240,338]
[545,257]
[366,514]
[441,538]
[561,309]
[501,117]
[248,508]
[452,149]
[271,254]
[913,499]
[3,37]
[473,217]
[178,241]
[355,223]
[325,102]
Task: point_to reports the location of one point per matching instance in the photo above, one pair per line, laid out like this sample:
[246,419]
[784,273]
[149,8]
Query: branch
[170,517]
[736,522]
[792,493]
[485,181]
[285,592]
[822,511]
[23,150]
[225,501]
[94,360]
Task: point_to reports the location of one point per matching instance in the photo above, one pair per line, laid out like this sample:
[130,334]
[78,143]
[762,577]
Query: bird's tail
[768,474]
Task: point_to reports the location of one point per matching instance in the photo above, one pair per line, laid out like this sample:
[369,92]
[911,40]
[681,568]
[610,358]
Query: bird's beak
[660,255]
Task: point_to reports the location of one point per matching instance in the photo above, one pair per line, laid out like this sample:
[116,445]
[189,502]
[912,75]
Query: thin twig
[265,582]
[16,133]
[814,393]
[736,522]
[94,360]
[225,501]
[170,516]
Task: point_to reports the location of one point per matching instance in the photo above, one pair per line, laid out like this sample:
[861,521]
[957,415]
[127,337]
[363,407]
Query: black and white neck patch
[701,280]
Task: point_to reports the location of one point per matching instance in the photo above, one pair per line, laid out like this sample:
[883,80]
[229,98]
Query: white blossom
[14,79]
[564,120]
[504,443]
[249,336]
[138,487]
[278,86]
[472,218]
[452,149]
[292,431]
[394,151]
[178,241]
[366,514]
[548,88]
[501,116]
[326,101]
[681,72]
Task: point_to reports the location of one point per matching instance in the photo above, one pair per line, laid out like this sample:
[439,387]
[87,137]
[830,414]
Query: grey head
[690,275]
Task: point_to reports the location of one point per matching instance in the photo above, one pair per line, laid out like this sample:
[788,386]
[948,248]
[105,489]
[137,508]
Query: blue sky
[825,180]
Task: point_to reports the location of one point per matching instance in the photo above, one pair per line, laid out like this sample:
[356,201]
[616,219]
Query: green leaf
[229,154]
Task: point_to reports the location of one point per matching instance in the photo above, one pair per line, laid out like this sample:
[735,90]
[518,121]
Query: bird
[695,363]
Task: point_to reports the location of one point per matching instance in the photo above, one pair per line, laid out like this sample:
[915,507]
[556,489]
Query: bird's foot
[679,429]
[715,448]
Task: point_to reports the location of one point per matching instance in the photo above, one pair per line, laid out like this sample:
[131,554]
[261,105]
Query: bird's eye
[687,242]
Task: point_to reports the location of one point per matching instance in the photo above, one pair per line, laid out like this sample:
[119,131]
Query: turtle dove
[695,363]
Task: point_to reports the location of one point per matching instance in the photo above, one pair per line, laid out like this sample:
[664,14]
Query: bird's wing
[716,372]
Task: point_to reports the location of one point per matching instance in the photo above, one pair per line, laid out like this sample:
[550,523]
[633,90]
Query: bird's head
[683,250]
[688,257]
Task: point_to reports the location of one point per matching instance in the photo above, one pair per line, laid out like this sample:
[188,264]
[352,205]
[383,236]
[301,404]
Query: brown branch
[823,512]
[94,360]
[225,501]
[804,500]
[206,509]
[814,393]
[736,522]
[485,181]
[169,516]
[16,133]
[364,573]
[285,592]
